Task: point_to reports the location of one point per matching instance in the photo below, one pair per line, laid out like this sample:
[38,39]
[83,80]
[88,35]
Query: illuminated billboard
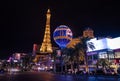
[105,43]
[114,43]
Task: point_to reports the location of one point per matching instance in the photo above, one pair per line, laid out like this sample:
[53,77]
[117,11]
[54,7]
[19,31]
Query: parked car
[14,70]
[109,72]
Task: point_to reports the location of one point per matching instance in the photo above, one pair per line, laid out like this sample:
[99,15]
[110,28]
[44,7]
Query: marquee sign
[105,43]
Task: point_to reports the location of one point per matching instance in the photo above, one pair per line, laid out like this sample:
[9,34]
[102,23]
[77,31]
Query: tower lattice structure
[46,46]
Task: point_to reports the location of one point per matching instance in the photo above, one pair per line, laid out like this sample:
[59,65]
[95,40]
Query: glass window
[117,54]
[95,57]
[103,55]
[111,55]
[90,57]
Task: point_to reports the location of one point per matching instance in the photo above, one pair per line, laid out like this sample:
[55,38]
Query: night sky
[22,22]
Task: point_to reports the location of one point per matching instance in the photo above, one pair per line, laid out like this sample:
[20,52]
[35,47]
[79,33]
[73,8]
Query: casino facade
[105,48]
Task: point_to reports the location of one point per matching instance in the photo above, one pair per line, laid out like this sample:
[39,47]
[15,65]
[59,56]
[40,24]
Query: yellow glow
[73,42]
[46,46]
[48,11]
[58,37]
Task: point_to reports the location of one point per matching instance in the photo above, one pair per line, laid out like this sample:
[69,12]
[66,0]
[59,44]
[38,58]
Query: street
[46,76]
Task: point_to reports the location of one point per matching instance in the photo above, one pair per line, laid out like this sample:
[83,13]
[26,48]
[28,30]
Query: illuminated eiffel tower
[46,46]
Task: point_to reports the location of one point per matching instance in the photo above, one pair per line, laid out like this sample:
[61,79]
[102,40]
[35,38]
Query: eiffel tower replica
[46,47]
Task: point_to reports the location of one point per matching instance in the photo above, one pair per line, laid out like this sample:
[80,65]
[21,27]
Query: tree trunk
[54,67]
[71,66]
[86,62]
[65,68]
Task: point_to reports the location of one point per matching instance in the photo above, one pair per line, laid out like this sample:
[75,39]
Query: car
[14,70]
[109,71]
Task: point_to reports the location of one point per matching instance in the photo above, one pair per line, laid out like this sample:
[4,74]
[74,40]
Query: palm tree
[82,48]
[84,44]
[65,57]
[78,54]
[103,62]
[68,57]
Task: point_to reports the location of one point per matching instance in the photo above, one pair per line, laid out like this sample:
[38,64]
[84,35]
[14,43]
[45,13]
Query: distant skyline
[23,22]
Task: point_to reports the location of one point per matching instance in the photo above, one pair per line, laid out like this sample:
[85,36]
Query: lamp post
[61,61]
[54,61]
